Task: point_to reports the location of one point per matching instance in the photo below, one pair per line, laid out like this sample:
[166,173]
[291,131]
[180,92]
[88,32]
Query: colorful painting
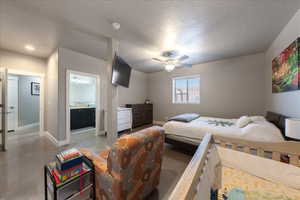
[286,69]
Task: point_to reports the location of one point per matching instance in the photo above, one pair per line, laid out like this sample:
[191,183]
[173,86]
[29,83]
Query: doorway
[82,97]
[23,99]
[14,118]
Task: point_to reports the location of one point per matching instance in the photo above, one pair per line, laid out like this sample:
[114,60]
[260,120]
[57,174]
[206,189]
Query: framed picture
[35,89]
[286,69]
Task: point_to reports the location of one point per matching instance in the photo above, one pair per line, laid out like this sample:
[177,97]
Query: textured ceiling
[205,30]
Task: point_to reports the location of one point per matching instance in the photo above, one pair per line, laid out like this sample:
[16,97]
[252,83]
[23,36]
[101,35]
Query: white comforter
[261,131]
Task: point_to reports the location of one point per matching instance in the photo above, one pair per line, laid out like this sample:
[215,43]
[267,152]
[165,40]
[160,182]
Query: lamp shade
[292,128]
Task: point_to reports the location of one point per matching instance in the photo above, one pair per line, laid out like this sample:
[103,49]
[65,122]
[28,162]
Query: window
[186,90]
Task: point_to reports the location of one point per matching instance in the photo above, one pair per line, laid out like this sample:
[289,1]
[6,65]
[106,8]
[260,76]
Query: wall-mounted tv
[121,72]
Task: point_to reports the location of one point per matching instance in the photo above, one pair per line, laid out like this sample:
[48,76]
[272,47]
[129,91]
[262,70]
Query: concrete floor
[21,167]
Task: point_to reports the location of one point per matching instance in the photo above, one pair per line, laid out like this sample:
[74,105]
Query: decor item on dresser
[292,126]
[124,119]
[131,168]
[142,114]
[286,69]
[147,101]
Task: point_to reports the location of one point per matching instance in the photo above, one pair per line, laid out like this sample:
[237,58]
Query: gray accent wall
[229,88]
[64,59]
[29,105]
[71,60]
[287,103]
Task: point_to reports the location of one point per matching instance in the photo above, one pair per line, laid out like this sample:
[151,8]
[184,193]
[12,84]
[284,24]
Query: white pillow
[243,121]
[258,118]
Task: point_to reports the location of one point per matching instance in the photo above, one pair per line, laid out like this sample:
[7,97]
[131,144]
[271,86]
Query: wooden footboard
[186,188]
[287,152]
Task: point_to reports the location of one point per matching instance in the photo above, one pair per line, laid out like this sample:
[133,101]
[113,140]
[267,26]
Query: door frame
[4,108]
[42,94]
[68,117]
[16,120]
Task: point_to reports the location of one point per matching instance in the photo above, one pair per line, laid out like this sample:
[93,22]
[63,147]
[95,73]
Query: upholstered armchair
[130,170]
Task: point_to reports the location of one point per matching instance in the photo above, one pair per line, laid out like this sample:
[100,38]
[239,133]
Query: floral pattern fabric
[130,170]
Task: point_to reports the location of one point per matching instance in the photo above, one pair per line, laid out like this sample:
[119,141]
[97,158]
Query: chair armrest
[99,162]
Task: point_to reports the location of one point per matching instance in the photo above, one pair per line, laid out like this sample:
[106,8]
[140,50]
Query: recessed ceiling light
[29,47]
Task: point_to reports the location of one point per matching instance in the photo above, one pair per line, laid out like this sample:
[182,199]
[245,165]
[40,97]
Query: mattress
[262,131]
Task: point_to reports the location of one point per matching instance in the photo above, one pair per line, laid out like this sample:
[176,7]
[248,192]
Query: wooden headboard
[278,120]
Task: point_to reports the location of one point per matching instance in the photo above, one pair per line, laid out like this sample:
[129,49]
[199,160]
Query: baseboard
[160,123]
[54,140]
[28,126]
[102,132]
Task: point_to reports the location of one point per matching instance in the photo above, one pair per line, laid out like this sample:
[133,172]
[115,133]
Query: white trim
[97,120]
[83,130]
[26,73]
[177,77]
[42,93]
[159,123]
[15,78]
[102,132]
[54,140]
[27,126]
[50,137]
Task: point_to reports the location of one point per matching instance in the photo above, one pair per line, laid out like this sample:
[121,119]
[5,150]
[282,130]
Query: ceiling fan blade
[185,65]
[157,59]
[184,57]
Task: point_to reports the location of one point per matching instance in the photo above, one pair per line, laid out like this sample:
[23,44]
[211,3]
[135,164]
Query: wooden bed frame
[186,187]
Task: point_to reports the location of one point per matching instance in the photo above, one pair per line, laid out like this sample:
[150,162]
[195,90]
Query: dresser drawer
[122,127]
[124,116]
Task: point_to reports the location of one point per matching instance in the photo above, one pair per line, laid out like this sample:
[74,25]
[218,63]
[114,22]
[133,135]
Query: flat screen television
[121,72]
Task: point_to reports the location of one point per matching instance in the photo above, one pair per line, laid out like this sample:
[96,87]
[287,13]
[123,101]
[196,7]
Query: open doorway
[82,105]
[23,104]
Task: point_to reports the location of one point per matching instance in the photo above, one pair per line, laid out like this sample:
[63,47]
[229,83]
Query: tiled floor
[21,167]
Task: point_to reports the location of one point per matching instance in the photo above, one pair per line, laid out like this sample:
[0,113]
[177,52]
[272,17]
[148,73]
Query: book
[64,177]
[66,174]
[68,159]
[69,154]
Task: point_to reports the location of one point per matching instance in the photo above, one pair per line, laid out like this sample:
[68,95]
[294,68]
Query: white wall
[137,91]
[82,93]
[65,59]
[51,107]
[229,88]
[20,62]
[71,60]
[287,103]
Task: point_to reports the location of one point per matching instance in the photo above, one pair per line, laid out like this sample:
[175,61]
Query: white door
[12,101]
[3,108]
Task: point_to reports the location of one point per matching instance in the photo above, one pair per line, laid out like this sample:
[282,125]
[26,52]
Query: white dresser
[124,118]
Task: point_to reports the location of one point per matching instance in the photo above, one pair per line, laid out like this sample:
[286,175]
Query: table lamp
[292,128]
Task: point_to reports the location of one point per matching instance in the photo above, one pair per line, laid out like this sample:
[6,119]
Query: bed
[269,130]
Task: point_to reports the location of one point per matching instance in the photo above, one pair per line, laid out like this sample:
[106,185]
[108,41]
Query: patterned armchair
[130,170]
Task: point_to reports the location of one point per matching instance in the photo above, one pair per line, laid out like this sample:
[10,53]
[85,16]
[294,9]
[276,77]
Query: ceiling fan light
[169,68]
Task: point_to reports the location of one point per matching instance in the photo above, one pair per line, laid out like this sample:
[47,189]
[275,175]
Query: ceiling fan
[172,59]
